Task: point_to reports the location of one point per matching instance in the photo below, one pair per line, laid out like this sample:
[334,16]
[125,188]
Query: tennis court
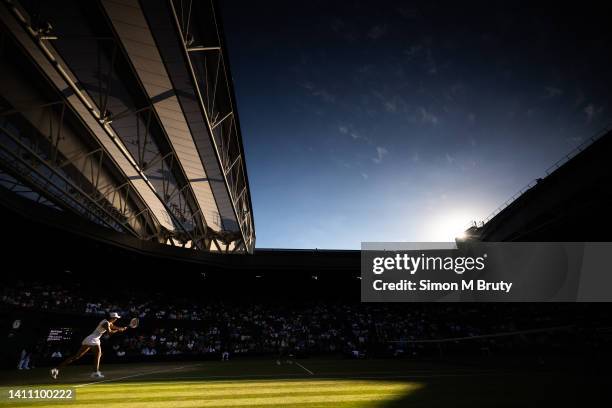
[308,383]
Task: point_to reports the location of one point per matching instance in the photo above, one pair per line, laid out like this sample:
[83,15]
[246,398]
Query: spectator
[24,360]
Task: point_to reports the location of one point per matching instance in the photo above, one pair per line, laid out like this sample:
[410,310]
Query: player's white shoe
[54,373]
[97,374]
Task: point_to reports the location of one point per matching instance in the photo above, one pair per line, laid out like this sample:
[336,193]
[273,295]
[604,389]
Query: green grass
[286,393]
[333,383]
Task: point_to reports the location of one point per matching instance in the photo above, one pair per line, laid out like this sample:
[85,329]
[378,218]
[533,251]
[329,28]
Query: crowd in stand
[69,298]
[194,327]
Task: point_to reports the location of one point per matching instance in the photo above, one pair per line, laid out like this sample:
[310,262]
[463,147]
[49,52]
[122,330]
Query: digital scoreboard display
[59,334]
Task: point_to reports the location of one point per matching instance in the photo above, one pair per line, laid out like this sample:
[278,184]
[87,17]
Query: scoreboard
[59,334]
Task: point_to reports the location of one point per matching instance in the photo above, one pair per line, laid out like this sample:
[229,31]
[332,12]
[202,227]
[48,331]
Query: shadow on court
[426,384]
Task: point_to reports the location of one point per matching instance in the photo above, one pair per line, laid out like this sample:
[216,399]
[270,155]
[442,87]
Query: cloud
[364,175]
[427,117]
[376,32]
[391,104]
[319,92]
[325,95]
[450,159]
[339,161]
[412,51]
[381,152]
[553,92]
[348,130]
[591,111]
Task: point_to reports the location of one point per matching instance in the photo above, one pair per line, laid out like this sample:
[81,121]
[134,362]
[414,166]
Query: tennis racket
[134,323]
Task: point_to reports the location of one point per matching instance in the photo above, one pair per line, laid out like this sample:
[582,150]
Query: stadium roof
[123,112]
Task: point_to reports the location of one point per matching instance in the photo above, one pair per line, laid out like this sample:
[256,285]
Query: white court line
[374,377]
[274,377]
[304,368]
[135,375]
[326,376]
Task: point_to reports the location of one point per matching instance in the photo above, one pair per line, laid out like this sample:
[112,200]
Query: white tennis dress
[94,338]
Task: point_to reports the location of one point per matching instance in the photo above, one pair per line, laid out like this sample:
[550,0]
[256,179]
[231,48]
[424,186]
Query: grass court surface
[310,383]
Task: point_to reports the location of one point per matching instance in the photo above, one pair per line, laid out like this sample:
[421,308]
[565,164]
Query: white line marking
[327,376]
[303,368]
[135,375]
[275,377]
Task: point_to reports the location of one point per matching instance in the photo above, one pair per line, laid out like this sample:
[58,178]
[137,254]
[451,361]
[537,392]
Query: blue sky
[399,121]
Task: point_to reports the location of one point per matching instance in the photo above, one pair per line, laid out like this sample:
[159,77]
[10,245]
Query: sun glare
[448,227]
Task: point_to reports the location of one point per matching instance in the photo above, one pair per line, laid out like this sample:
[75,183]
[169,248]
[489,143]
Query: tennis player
[92,342]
